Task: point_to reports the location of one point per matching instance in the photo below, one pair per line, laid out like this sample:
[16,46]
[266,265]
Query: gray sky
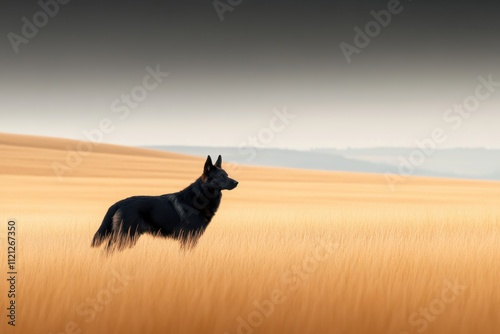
[226,77]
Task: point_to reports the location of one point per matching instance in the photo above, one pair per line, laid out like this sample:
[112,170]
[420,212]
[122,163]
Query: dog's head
[216,177]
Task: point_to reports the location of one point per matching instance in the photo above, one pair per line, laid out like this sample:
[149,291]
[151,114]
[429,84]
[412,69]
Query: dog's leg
[126,232]
[189,241]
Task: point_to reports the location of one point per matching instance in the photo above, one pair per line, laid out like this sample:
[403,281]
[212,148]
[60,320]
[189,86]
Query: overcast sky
[227,77]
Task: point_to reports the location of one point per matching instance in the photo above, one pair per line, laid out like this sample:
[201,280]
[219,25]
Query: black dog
[184,215]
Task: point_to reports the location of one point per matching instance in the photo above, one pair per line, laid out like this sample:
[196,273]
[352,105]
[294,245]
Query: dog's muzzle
[232,184]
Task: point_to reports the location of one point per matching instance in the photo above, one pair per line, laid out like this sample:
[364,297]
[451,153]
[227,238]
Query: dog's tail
[104,232]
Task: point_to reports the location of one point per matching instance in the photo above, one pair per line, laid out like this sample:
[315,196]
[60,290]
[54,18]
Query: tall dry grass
[377,265]
[334,252]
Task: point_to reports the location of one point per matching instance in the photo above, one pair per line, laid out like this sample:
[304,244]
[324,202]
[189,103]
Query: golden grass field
[317,252]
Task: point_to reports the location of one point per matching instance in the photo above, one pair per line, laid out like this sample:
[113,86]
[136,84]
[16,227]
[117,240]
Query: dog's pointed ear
[208,165]
[218,163]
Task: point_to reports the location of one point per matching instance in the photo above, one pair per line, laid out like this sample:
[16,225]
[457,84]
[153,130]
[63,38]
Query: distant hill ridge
[465,163]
